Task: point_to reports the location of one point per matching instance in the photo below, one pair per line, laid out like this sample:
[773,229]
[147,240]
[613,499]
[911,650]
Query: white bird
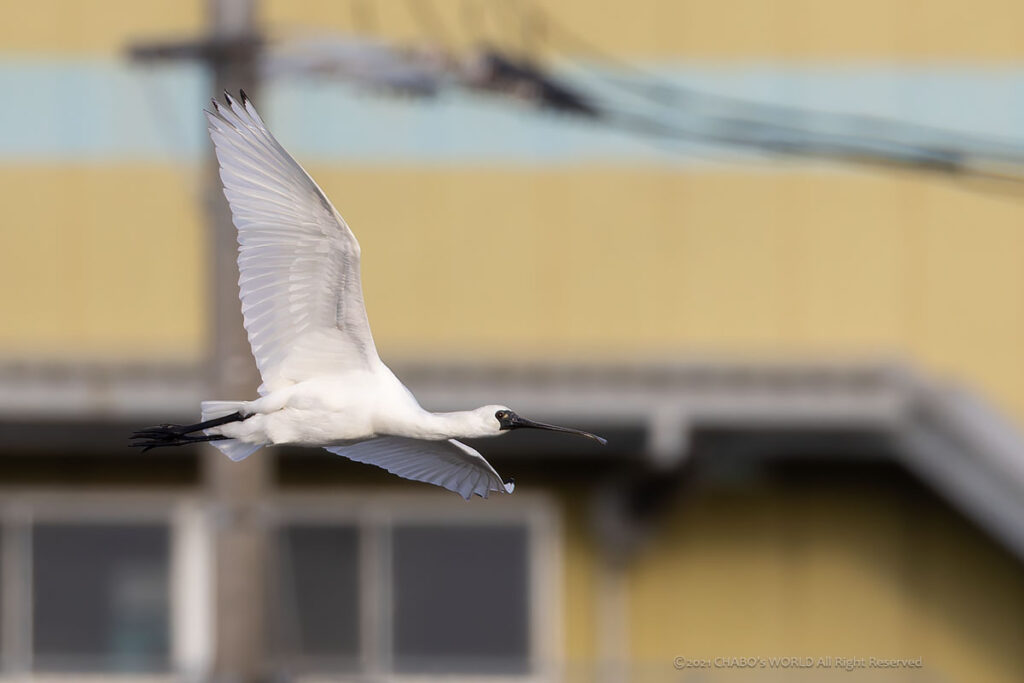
[302,303]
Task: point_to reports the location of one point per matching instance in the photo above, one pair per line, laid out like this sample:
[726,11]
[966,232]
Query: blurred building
[810,375]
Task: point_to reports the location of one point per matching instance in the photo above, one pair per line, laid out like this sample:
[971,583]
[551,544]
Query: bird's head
[501,419]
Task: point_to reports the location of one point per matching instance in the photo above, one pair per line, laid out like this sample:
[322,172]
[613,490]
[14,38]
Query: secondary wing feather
[298,261]
[450,464]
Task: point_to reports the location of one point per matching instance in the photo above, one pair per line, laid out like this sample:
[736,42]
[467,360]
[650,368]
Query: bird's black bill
[522,423]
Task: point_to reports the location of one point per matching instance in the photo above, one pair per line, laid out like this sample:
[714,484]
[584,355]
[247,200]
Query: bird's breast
[317,427]
[327,410]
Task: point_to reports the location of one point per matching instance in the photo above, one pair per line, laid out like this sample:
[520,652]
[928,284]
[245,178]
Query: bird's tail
[211,410]
[233,448]
[214,414]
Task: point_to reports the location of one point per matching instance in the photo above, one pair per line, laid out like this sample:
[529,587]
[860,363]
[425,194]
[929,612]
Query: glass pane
[317,620]
[461,599]
[100,597]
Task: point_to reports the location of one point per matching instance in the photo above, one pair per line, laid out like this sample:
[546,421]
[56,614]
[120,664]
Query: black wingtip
[227,96]
[245,98]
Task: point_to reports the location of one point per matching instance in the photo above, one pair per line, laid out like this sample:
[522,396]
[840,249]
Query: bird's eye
[501,414]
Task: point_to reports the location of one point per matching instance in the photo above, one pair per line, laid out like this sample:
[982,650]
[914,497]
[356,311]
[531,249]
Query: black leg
[181,430]
[177,435]
[148,443]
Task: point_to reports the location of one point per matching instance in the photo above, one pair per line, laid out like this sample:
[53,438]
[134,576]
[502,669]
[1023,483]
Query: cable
[772,121]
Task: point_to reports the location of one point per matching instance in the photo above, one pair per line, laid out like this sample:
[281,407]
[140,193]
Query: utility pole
[235,490]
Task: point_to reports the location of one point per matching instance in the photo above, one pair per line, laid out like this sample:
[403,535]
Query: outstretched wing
[450,464]
[298,262]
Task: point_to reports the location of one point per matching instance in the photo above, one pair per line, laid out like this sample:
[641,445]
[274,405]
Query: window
[100,596]
[96,588]
[393,589]
[461,598]
[317,624]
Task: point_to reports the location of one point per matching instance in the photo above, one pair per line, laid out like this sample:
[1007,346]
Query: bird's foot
[168,435]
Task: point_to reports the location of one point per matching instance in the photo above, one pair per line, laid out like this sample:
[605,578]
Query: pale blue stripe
[979,100]
[106,110]
[329,123]
[101,110]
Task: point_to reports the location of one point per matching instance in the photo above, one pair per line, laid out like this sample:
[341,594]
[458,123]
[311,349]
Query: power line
[746,123]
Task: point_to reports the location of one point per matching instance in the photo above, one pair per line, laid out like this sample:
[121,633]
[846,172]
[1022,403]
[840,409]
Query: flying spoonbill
[302,302]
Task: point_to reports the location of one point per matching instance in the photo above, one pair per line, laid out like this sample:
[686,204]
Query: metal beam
[950,438]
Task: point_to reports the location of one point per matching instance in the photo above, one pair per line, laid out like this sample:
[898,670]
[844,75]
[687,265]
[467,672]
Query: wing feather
[450,464]
[299,263]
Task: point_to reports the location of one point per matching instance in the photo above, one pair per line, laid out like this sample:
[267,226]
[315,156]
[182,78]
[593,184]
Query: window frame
[374,514]
[189,575]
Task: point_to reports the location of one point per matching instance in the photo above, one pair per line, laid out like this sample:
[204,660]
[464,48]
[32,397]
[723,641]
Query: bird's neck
[463,424]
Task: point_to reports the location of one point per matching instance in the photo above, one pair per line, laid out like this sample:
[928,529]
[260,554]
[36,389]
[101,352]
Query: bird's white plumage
[450,464]
[303,309]
[302,303]
[298,261]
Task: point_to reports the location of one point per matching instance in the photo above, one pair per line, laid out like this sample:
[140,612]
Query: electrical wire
[752,124]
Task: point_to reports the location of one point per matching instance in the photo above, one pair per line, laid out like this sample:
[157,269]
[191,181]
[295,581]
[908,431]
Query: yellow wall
[704,29]
[101,262]
[733,29]
[570,259]
[556,261]
[580,587]
[649,261]
[97,27]
[841,570]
